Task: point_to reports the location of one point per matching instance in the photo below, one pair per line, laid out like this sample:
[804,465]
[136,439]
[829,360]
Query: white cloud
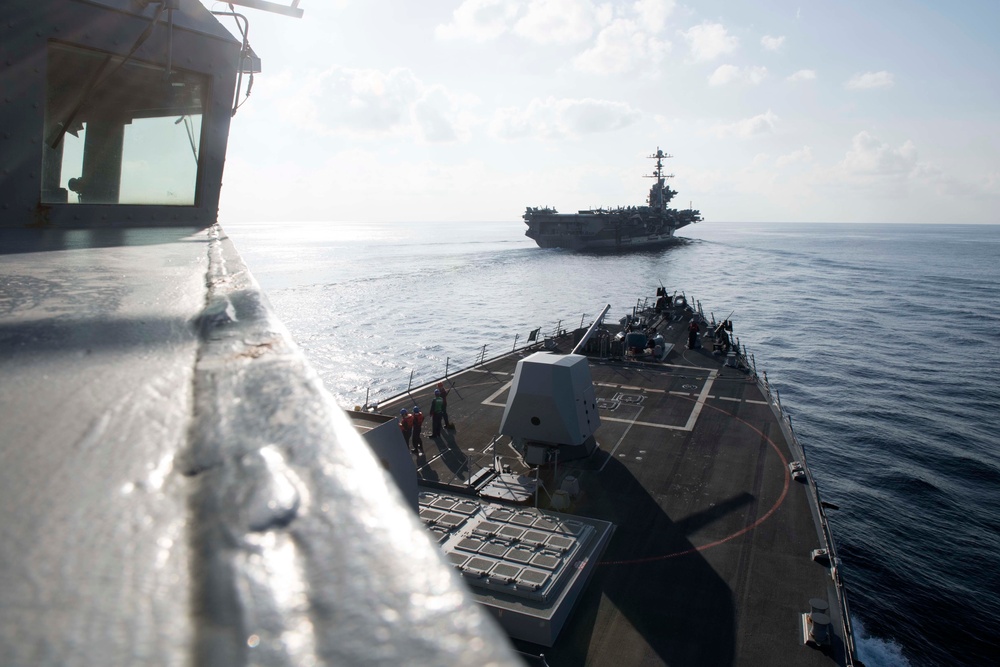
[653,14]
[897,174]
[748,127]
[804,154]
[872,156]
[560,21]
[479,20]
[441,116]
[869,80]
[563,118]
[708,41]
[540,21]
[367,103]
[621,47]
[664,123]
[803,75]
[726,74]
[772,43]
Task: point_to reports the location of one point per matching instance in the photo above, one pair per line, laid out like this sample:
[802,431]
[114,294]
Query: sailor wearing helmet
[418,422]
[437,414]
[406,425]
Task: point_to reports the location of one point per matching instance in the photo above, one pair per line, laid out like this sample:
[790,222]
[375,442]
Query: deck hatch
[478,566]
[486,528]
[523,518]
[520,554]
[570,527]
[444,503]
[511,532]
[430,516]
[465,507]
[457,559]
[495,549]
[545,524]
[505,573]
[534,537]
[452,520]
[559,543]
[473,544]
[439,533]
[546,560]
[532,579]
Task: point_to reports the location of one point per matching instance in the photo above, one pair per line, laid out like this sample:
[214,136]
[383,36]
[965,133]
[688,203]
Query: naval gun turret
[551,412]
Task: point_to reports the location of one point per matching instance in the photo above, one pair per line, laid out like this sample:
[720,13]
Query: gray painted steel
[199,44]
[711,562]
[176,486]
[551,401]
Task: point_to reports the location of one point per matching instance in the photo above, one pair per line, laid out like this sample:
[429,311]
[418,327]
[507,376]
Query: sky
[472,110]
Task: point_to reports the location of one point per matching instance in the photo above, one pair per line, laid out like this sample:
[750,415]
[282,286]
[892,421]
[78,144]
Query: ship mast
[656,198]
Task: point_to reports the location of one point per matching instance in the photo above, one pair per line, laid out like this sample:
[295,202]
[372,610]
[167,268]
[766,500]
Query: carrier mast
[659,194]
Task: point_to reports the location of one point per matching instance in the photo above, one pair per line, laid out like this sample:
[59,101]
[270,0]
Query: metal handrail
[480,359]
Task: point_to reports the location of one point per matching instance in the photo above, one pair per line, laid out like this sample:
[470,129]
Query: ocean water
[883,340]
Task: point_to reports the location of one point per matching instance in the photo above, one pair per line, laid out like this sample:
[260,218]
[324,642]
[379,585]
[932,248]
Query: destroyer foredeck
[712,557]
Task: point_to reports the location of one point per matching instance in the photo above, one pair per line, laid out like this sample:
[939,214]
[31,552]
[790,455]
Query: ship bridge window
[118,131]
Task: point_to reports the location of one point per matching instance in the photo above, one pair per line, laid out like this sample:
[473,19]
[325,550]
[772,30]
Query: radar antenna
[658,172]
[659,194]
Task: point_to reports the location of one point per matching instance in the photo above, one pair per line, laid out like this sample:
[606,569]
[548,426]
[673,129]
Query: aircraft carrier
[177,487]
[622,228]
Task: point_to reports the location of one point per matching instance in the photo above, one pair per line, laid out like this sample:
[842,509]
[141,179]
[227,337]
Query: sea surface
[883,340]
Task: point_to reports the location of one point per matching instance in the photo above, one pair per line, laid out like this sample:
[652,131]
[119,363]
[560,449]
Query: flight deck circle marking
[746,529]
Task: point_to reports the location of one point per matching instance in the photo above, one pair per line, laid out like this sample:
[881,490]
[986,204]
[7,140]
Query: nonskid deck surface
[711,559]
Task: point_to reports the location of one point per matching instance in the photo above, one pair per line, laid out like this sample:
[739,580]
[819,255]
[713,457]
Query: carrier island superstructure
[618,228]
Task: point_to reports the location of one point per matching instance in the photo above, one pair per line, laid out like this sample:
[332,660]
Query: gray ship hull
[604,243]
[600,230]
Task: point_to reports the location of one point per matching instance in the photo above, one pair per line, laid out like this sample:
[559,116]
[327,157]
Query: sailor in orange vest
[418,422]
[693,330]
[406,425]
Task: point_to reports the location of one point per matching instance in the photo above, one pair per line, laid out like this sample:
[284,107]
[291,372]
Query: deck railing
[424,377]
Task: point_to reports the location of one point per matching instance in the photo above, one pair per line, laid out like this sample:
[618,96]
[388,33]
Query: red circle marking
[745,529]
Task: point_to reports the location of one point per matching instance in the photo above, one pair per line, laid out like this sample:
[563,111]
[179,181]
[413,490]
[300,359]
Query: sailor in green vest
[437,413]
[444,396]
